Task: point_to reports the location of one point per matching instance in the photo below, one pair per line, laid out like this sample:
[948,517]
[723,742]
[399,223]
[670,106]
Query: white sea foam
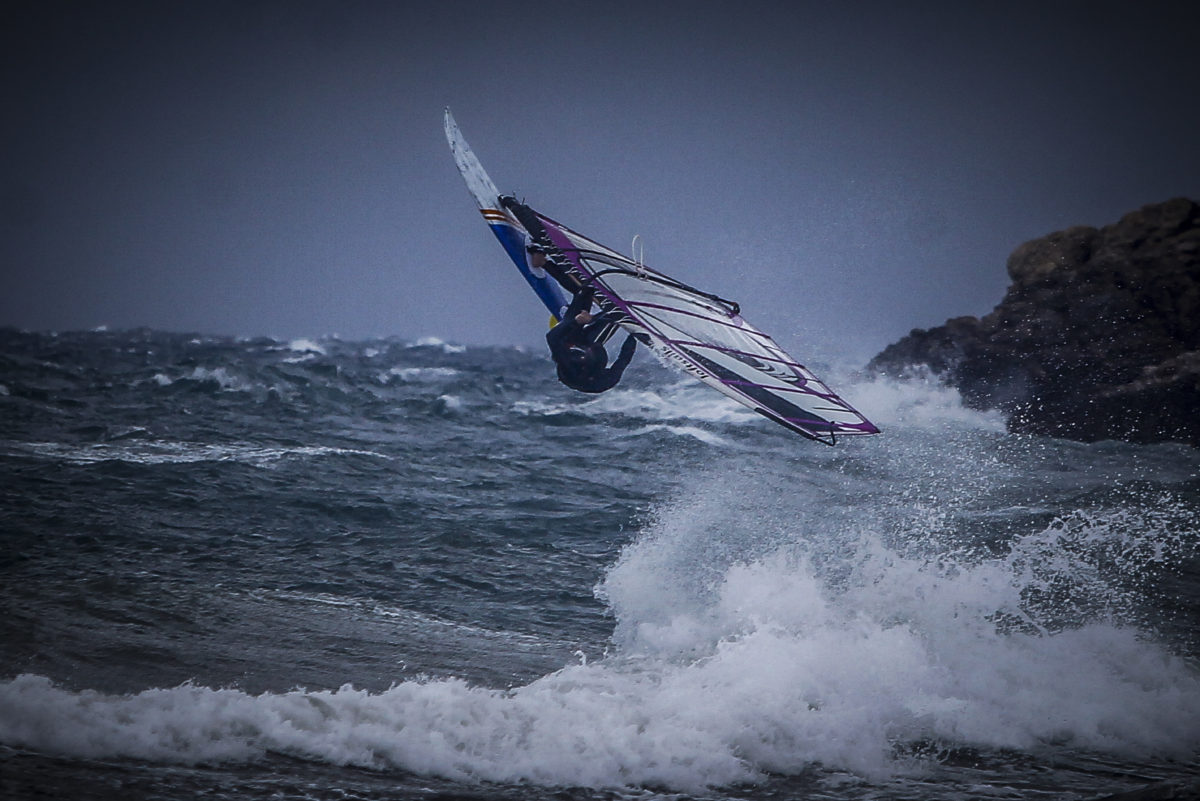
[434,342]
[417,374]
[418,621]
[707,437]
[167,452]
[306,346]
[842,644]
[449,403]
[224,378]
[688,399]
[577,726]
[220,376]
[921,404]
[537,407]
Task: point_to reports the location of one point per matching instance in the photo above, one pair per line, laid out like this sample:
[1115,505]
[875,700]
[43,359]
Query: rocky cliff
[1098,336]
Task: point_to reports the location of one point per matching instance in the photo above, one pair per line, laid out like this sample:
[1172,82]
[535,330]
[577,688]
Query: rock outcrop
[1098,336]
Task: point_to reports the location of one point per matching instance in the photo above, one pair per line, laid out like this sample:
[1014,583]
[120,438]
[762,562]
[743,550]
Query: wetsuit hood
[581,361]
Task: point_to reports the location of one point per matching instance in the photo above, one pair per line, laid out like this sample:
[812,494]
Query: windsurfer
[581,360]
[576,342]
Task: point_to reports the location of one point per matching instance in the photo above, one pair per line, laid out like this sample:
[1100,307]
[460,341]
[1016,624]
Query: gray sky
[846,171]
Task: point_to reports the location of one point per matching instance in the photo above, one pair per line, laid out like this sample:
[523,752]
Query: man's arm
[581,302]
[611,376]
[568,326]
[526,216]
[564,278]
[625,356]
[529,219]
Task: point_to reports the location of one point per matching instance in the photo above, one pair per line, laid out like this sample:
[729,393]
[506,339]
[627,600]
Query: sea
[263,568]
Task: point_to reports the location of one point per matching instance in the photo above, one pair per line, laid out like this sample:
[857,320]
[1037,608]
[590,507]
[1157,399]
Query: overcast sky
[846,171]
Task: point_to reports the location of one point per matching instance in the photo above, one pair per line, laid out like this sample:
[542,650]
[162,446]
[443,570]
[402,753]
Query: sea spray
[900,635]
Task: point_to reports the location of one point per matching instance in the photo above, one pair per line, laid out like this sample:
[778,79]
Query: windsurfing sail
[700,332]
[706,335]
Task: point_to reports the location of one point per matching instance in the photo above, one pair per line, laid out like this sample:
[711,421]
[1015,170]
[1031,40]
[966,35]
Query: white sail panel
[707,336]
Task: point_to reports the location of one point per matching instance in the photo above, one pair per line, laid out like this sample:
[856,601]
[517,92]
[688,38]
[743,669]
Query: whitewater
[242,568]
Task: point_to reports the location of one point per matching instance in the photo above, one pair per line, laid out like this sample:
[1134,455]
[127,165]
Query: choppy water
[361,570]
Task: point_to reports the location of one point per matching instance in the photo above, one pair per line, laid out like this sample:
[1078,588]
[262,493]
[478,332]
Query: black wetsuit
[555,268]
[528,218]
[580,359]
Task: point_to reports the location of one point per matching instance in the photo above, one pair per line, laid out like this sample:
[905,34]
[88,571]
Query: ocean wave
[220,376]
[674,402]
[148,452]
[417,374]
[750,641]
[836,644]
[306,346]
[573,727]
[801,682]
[687,399]
[434,342]
[413,621]
[694,432]
[448,404]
